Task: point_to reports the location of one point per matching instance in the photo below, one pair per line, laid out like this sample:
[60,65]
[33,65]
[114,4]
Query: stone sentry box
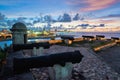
[19,33]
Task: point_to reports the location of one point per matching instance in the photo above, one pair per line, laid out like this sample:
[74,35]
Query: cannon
[67,37]
[100,37]
[87,36]
[21,65]
[115,38]
[90,38]
[18,47]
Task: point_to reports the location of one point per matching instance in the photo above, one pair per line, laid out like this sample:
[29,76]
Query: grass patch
[76,44]
[3,52]
[2,55]
[102,43]
[86,43]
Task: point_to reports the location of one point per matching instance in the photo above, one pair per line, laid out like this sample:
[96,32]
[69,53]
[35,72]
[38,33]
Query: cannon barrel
[87,36]
[102,36]
[67,37]
[115,38]
[21,65]
[18,47]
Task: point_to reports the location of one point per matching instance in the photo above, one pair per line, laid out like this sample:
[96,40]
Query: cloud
[114,23]
[112,16]
[2,17]
[91,5]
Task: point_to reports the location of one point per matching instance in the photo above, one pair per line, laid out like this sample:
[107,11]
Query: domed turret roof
[19,26]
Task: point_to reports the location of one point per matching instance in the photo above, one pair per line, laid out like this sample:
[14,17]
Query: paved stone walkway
[91,67]
[112,57]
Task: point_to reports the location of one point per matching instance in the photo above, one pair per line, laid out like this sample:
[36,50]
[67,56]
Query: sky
[101,9]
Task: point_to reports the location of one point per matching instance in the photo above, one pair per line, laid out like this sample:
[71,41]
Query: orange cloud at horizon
[92,5]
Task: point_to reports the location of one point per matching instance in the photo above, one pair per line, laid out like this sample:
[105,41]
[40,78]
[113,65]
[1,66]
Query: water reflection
[6,42]
[33,40]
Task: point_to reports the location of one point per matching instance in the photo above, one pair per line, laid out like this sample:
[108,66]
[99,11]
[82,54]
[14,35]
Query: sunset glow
[93,12]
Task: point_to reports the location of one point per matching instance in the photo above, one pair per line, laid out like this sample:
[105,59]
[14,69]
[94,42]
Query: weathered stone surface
[90,68]
[112,57]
